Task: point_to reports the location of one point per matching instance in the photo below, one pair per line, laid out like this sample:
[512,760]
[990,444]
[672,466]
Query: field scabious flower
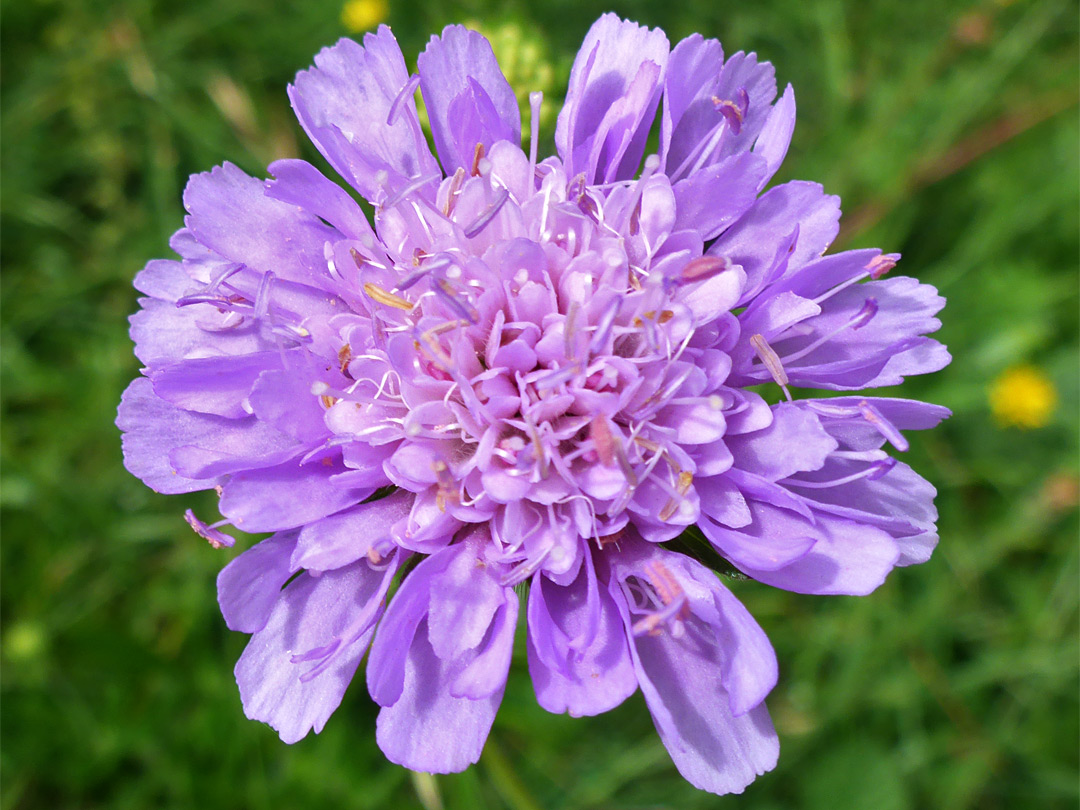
[530,371]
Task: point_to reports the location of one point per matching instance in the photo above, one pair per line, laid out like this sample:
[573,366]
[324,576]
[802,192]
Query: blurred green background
[950,130]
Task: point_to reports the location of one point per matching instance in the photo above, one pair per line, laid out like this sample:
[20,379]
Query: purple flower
[553,368]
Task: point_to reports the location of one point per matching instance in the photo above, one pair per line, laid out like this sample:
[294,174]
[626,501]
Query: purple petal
[485,674]
[464,599]
[214,385]
[847,558]
[771,539]
[753,241]
[343,104]
[468,99]
[427,729]
[611,99]
[347,536]
[156,433]
[775,137]
[713,198]
[299,183]
[683,684]
[230,213]
[249,586]
[284,496]
[334,612]
[795,441]
[394,639]
[283,399]
[579,660]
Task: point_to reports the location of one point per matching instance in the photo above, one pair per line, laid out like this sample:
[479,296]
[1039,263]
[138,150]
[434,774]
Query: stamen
[446,292]
[676,607]
[873,473]
[406,91]
[883,426]
[417,184]
[603,328]
[377,293]
[880,265]
[772,362]
[209,533]
[535,100]
[487,214]
[681,488]
[603,440]
[866,314]
[447,491]
[700,269]
[478,155]
[733,111]
[453,189]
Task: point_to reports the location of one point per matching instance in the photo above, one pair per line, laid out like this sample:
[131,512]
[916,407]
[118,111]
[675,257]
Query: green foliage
[950,130]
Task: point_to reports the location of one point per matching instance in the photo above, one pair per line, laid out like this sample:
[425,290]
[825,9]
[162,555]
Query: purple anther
[700,269]
[209,533]
[883,426]
[406,91]
[866,314]
[452,297]
[603,327]
[487,214]
[881,468]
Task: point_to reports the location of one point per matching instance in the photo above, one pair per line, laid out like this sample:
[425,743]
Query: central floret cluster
[530,372]
[543,369]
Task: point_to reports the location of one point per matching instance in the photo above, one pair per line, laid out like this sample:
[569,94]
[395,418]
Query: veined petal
[294,671]
[344,104]
[611,100]
[467,97]
[427,728]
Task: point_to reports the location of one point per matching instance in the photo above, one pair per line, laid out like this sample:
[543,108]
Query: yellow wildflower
[1023,396]
[363,15]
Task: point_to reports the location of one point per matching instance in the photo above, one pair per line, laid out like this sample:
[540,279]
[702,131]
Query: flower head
[531,371]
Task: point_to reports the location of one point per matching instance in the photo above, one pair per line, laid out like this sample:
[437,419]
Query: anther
[603,440]
[681,488]
[478,155]
[700,269]
[453,189]
[487,215]
[416,184]
[734,112]
[380,295]
[209,533]
[344,358]
[883,426]
[406,91]
[772,362]
[447,492]
[880,265]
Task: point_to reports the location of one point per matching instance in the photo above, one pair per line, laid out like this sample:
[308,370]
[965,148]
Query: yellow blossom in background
[1023,396]
[363,15]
